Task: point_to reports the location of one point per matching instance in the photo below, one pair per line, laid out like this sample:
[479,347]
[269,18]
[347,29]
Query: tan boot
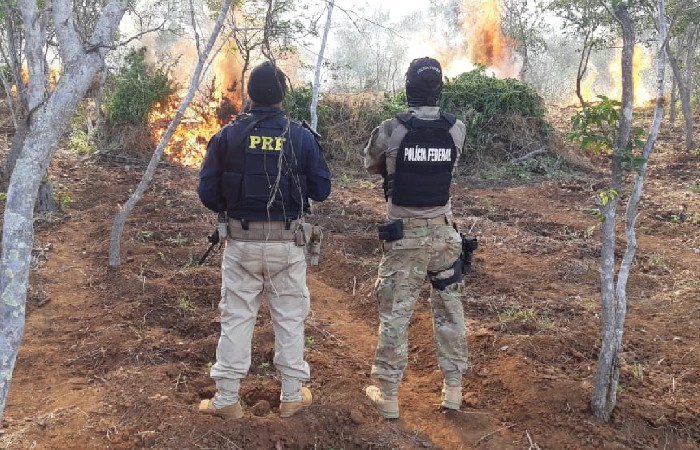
[288,409]
[451,397]
[388,405]
[234,411]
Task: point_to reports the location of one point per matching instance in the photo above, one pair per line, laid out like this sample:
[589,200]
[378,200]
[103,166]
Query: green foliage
[64,199]
[595,128]
[80,142]
[487,96]
[478,98]
[137,89]
[297,105]
[185,303]
[508,109]
[606,196]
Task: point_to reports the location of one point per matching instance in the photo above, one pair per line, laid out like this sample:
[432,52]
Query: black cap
[423,82]
[267,84]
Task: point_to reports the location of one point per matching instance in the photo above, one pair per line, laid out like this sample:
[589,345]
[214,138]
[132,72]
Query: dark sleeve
[209,189]
[318,177]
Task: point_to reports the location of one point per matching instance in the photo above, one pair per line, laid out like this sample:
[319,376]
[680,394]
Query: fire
[482,42]
[641,62]
[54,75]
[204,117]
[486,43]
[594,84]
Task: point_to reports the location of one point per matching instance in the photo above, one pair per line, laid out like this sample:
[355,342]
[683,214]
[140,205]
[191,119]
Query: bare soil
[119,360]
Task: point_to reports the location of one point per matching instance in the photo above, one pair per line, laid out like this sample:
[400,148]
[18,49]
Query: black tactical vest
[261,179]
[424,163]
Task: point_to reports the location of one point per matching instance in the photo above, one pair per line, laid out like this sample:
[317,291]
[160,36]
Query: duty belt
[248,230]
[434,221]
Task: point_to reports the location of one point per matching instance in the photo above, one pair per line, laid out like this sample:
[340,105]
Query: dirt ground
[119,360]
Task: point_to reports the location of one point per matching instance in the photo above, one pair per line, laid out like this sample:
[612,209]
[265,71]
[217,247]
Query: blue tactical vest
[262,179]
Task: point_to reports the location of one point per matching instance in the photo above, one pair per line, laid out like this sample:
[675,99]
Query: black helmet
[267,84]
[423,82]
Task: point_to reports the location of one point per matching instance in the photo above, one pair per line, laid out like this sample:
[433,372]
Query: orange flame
[594,85]
[54,75]
[205,115]
[641,62]
[482,42]
[486,43]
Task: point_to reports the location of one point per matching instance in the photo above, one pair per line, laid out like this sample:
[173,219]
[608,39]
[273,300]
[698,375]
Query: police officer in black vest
[416,152]
[261,170]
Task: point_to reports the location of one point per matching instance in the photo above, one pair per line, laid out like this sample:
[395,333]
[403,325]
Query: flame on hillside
[594,83]
[482,42]
[486,43]
[213,106]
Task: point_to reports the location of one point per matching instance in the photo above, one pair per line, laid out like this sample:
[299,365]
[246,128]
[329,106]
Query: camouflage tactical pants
[402,271]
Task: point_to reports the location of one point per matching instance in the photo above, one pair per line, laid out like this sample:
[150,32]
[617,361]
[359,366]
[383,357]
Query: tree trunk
[123,213]
[582,67]
[319,63]
[613,306]
[684,94]
[45,201]
[692,35]
[48,121]
[13,154]
[674,100]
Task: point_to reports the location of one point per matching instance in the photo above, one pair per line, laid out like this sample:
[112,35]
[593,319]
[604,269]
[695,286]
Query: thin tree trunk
[123,213]
[48,121]
[690,50]
[582,68]
[99,98]
[674,100]
[13,154]
[684,94]
[613,306]
[45,201]
[319,63]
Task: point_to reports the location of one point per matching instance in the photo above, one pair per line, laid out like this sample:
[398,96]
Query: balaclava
[423,82]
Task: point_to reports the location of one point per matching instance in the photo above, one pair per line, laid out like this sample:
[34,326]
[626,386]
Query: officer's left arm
[318,177]
[209,188]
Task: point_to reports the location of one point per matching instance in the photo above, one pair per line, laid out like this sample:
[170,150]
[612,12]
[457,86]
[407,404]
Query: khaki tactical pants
[249,269]
[402,272]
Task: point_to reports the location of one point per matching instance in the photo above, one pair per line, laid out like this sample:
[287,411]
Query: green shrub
[484,103]
[488,96]
[297,103]
[505,117]
[137,88]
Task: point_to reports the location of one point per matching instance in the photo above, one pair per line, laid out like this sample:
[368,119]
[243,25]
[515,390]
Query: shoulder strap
[450,118]
[405,118]
[408,120]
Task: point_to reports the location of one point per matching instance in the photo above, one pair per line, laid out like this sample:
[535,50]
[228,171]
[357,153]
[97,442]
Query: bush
[504,116]
[485,95]
[137,88]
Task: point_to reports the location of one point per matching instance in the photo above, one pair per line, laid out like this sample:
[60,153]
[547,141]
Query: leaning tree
[49,111]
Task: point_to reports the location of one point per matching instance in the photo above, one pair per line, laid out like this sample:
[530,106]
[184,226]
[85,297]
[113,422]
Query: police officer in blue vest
[261,170]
